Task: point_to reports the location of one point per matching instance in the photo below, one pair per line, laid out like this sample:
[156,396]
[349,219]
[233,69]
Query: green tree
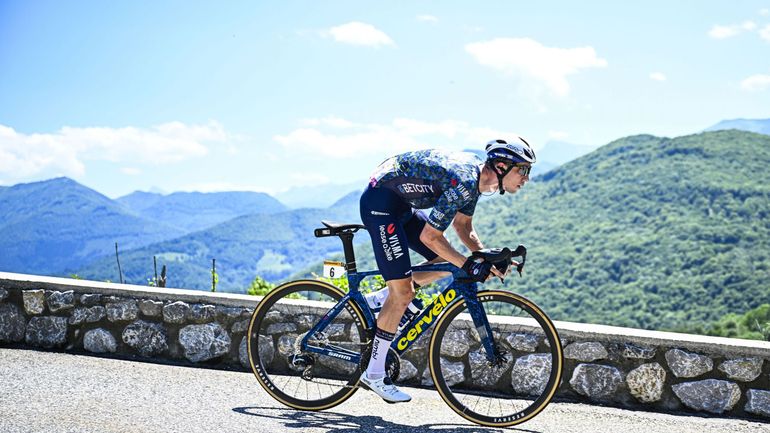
[259,287]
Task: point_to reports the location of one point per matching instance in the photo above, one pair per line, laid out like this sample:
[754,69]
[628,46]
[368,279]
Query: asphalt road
[56,392]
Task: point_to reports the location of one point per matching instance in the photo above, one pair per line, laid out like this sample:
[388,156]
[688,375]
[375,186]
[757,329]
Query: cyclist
[450,184]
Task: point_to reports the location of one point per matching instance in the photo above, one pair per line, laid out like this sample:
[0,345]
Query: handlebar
[501,258]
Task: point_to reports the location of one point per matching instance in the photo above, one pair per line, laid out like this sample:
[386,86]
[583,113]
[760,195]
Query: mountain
[760,126]
[272,246]
[646,231]
[321,196]
[192,211]
[53,226]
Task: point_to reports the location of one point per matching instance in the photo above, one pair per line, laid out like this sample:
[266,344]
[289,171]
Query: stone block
[12,323]
[149,339]
[46,331]
[585,352]
[58,301]
[646,382]
[596,381]
[758,402]
[150,308]
[710,395]
[742,369]
[175,312]
[99,341]
[122,311]
[34,301]
[204,342]
[530,373]
[685,364]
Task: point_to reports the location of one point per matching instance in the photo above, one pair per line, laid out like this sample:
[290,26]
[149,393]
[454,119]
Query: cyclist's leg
[414,228]
[382,212]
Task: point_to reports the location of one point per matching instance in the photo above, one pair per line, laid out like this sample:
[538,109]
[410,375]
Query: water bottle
[377,299]
[412,310]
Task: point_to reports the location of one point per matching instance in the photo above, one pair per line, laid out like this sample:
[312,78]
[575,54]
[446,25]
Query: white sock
[382,340]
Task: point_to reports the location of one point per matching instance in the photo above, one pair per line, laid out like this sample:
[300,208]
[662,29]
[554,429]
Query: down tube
[429,316]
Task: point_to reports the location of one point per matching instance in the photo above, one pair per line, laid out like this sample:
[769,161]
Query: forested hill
[272,246]
[646,231]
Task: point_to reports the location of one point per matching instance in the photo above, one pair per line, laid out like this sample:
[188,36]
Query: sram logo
[338,355]
[436,309]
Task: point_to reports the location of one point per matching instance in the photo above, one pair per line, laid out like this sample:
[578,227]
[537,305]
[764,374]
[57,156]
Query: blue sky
[265,96]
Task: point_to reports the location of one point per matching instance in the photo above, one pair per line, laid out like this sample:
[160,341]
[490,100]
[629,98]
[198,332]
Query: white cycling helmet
[510,152]
[515,151]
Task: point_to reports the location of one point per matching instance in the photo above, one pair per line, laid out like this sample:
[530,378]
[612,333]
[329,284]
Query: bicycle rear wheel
[528,370]
[302,379]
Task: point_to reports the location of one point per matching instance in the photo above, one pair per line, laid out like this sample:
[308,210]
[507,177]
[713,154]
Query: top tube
[355,277]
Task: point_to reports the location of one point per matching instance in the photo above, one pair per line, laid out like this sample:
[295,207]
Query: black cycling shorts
[394,228]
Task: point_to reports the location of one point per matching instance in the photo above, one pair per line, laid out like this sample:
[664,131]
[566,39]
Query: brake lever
[520,251]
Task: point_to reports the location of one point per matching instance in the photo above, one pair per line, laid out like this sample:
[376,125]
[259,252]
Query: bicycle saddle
[341,226]
[335,228]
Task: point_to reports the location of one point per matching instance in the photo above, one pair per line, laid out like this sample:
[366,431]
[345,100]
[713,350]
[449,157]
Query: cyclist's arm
[435,240]
[463,225]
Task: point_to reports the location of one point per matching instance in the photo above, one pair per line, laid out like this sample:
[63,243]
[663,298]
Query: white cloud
[427,18]
[362,139]
[658,76]
[764,12]
[358,33]
[756,83]
[723,32]
[530,59]
[64,152]
[131,171]
[765,33]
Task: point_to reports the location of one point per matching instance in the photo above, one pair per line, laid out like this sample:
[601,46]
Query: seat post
[347,246]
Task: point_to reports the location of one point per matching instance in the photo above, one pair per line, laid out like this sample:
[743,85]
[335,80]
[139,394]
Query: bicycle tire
[273,336]
[520,388]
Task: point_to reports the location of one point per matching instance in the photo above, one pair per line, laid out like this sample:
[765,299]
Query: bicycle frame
[423,321]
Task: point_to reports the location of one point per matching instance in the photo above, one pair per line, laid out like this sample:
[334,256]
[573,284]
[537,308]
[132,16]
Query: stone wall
[604,365]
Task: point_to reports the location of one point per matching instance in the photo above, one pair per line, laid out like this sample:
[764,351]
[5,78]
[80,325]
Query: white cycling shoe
[384,388]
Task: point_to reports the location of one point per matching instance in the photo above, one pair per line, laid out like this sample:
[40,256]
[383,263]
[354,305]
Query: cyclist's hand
[496,272]
[478,271]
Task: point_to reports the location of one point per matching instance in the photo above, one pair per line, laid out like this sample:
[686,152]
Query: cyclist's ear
[501,167]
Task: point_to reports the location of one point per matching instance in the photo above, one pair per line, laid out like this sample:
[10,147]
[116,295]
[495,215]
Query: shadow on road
[338,422]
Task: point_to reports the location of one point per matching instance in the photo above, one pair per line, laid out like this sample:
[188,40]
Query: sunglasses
[524,170]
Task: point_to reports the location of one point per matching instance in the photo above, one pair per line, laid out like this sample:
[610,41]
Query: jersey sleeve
[442,214]
[469,208]
[451,201]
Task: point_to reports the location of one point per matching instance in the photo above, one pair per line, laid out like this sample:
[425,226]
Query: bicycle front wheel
[299,378]
[527,371]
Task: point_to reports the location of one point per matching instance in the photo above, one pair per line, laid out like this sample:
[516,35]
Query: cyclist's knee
[402,290]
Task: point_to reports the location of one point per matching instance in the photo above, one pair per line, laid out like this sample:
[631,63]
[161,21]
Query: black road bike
[494,356]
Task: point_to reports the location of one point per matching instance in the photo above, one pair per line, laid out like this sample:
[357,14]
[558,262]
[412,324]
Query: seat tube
[350,256]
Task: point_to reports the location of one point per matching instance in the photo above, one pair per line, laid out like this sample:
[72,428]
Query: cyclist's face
[514,180]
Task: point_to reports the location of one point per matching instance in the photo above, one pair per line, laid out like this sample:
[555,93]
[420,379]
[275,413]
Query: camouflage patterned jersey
[447,182]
